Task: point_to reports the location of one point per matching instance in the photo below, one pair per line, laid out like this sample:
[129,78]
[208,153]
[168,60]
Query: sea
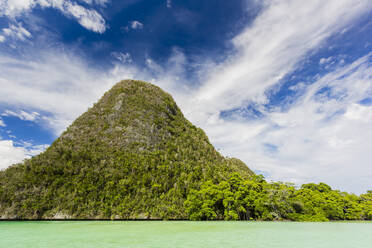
[172,234]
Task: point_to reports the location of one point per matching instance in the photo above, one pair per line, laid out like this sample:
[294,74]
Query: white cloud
[88,18]
[122,57]
[132,25]
[55,83]
[313,138]
[25,116]
[62,86]
[97,2]
[11,154]
[16,32]
[2,38]
[318,138]
[15,7]
[136,25]
[323,61]
[2,124]
[272,47]
[169,3]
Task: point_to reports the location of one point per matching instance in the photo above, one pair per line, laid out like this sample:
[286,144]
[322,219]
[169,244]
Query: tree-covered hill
[132,155]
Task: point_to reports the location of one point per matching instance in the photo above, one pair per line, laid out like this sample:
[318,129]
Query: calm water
[184,234]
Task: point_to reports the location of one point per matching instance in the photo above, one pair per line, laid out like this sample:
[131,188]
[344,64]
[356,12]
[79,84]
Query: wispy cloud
[60,84]
[2,124]
[320,138]
[97,2]
[23,115]
[322,135]
[16,31]
[88,18]
[272,47]
[122,57]
[312,138]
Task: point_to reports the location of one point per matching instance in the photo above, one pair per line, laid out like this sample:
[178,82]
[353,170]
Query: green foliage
[132,155]
[254,198]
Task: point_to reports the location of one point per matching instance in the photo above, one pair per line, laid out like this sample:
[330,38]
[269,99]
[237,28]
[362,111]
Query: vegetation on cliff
[133,155]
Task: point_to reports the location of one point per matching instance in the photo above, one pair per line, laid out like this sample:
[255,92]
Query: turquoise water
[163,234]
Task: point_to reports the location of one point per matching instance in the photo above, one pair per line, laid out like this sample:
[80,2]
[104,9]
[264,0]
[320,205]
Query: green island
[133,155]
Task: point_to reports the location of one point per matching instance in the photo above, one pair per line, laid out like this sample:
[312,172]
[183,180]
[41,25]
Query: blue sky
[286,85]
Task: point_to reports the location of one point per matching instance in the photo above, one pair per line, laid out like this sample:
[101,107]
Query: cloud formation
[56,83]
[122,57]
[321,136]
[88,18]
[25,116]
[136,25]
[273,45]
[313,137]
[11,154]
[15,31]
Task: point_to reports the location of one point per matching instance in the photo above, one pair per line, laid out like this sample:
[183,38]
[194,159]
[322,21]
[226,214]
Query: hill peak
[132,155]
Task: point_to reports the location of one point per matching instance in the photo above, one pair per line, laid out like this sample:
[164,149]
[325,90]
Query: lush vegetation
[134,155]
[252,199]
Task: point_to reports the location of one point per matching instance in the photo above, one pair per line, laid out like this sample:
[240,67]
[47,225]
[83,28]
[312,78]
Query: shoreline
[174,220]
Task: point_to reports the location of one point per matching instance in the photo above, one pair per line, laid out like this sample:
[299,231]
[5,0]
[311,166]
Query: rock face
[132,155]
